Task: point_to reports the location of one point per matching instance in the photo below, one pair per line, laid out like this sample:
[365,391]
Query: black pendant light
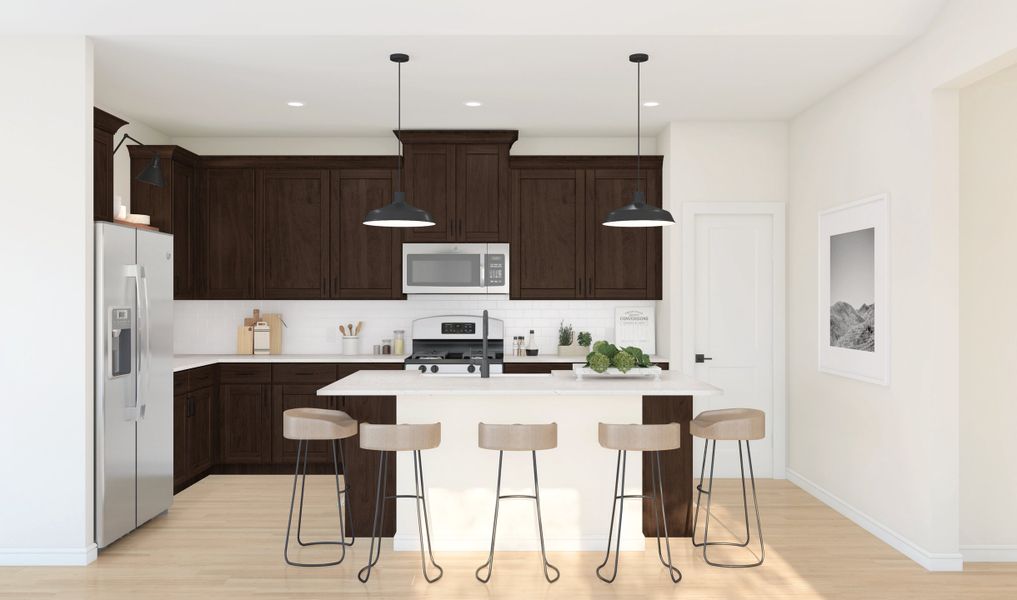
[398,213]
[638,213]
[152,174]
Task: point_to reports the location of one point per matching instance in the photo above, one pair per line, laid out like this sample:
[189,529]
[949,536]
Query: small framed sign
[634,326]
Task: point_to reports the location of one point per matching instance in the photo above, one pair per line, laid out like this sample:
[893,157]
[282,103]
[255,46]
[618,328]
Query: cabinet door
[229,239]
[292,225]
[482,193]
[366,261]
[285,397]
[181,415]
[622,262]
[245,420]
[429,180]
[548,242]
[361,467]
[199,432]
[185,228]
[102,175]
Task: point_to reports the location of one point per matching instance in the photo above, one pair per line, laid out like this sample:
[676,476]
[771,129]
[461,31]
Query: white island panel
[576,479]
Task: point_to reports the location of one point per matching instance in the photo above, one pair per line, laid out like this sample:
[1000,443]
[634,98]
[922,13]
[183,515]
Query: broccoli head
[642,359]
[598,362]
[623,361]
[606,348]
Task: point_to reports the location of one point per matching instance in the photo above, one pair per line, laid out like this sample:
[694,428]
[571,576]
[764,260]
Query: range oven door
[455,269]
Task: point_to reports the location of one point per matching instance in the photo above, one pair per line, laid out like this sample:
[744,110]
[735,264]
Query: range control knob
[471,369]
[422,369]
[434,368]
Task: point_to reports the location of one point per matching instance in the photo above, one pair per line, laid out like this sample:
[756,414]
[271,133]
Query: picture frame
[854,290]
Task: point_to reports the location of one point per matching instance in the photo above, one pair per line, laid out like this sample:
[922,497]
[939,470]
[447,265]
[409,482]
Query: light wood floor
[223,538]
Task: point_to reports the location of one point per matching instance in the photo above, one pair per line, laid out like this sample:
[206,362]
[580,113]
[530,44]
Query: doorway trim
[777,210]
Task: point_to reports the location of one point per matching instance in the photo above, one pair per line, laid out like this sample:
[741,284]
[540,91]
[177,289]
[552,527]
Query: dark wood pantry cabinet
[104,129]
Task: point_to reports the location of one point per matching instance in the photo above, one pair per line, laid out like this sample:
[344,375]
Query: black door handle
[702,358]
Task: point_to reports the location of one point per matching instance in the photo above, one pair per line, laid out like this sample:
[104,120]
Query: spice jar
[386,346]
[399,342]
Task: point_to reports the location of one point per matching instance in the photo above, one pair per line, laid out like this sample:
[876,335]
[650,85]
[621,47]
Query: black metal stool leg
[346,492]
[700,492]
[659,515]
[379,516]
[706,543]
[494,530]
[618,503]
[418,483]
[540,527]
[302,447]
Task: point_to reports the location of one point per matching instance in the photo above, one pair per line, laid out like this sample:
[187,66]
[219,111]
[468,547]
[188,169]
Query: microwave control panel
[494,270]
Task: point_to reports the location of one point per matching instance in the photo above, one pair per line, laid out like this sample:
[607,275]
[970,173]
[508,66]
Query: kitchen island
[576,478]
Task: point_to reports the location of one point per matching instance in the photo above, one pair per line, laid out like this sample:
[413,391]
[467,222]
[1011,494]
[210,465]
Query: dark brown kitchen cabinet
[292,248]
[199,431]
[229,205]
[285,397]
[245,422]
[366,261]
[193,425]
[549,234]
[181,413]
[104,129]
[622,263]
[361,467]
[173,208]
[462,179]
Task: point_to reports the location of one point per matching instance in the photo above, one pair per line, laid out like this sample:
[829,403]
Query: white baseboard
[47,557]
[932,561]
[989,553]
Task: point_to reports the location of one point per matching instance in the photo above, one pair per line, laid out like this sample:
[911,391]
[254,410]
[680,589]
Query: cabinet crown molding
[104,121]
[458,136]
[164,152]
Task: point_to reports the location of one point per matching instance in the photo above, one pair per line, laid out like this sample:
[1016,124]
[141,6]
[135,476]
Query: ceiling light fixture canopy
[152,174]
[399,213]
[638,213]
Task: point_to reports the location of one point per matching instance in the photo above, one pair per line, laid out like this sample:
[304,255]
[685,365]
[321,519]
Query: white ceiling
[546,68]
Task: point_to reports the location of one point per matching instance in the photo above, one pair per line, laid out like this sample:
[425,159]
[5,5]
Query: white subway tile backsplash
[312,326]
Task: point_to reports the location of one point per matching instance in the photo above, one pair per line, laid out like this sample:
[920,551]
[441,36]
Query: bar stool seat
[730,424]
[636,437]
[317,424]
[388,439]
[655,438]
[517,438]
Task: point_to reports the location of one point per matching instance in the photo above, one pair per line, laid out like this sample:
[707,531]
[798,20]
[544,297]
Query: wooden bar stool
[518,438]
[305,425]
[389,439]
[640,438]
[731,424]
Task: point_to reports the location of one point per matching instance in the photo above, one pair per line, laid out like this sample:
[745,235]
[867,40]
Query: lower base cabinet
[245,424]
[361,467]
[285,397]
[192,427]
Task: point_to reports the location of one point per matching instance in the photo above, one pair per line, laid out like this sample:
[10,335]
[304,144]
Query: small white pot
[351,345]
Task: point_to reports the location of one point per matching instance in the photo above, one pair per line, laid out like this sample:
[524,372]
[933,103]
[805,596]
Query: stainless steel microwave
[456,269]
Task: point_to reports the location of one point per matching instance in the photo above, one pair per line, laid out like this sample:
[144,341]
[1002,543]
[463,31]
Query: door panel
[185,223]
[246,423]
[285,397]
[549,236]
[366,261]
[733,324]
[481,193]
[181,418]
[293,240]
[622,262]
[199,432]
[230,226]
[429,184]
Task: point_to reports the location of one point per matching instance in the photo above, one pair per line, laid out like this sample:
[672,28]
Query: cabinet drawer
[201,377]
[245,373]
[180,382]
[303,373]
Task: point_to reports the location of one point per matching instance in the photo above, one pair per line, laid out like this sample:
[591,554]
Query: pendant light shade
[638,213]
[399,213]
[152,174]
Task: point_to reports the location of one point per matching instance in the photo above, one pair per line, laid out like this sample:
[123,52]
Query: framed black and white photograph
[854,333]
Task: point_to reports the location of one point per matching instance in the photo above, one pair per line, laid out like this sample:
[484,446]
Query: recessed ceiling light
[295,104]
[650,104]
[473,103]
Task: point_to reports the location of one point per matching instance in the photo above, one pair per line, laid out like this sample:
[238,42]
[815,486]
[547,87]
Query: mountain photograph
[852,283]
[853,329]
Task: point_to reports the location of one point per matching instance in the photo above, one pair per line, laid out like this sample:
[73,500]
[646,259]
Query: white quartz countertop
[557,383]
[182,362]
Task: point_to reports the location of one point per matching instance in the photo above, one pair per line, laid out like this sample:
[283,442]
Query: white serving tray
[583,372]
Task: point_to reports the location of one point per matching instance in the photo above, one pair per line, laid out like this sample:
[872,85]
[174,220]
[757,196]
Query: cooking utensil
[360,325]
[342,330]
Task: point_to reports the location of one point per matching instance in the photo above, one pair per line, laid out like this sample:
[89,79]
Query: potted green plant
[567,345]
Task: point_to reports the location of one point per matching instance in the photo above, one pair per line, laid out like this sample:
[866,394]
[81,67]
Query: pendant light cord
[639,123]
[399,125]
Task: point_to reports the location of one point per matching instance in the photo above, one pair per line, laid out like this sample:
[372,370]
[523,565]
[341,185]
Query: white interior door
[735,276]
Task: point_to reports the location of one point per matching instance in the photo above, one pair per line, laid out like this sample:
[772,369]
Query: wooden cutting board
[275,332]
[245,339]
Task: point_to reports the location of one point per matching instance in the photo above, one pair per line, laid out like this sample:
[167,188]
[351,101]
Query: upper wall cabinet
[293,234]
[561,249]
[366,261]
[174,209]
[104,128]
[229,200]
[462,179]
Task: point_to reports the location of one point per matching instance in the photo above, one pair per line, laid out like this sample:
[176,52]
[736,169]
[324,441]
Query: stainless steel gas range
[453,345]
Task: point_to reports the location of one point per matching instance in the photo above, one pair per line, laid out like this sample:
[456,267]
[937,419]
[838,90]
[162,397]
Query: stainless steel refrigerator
[133,378]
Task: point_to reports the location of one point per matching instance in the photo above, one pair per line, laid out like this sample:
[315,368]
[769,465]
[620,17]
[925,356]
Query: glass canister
[386,346]
[399,342]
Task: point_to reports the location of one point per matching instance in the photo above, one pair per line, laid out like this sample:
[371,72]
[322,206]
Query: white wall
[46,261]
[988,295]
[122,159]
[888,456]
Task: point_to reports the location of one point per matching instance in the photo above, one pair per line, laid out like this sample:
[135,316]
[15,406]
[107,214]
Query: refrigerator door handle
[147,356]
[133,412]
